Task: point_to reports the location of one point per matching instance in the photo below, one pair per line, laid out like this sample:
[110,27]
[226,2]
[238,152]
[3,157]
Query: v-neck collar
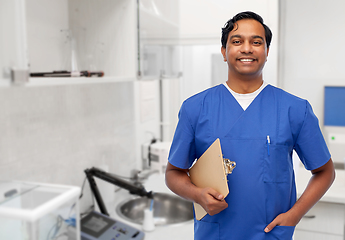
[260,90]
[245,98]
[237,115]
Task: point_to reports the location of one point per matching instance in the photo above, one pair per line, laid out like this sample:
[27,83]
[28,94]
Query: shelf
[43,81]
[153,26]
[36,82]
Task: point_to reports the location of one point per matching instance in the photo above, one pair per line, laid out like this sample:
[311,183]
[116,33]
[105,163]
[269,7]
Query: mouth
[246,59]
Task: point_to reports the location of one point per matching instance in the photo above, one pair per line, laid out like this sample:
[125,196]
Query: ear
[223,51]
[267,53]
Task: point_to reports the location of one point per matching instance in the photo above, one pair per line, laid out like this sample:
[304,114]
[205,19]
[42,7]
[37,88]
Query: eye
[258,43]
[236,42]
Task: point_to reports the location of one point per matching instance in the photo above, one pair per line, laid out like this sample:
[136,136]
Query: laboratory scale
[97,226]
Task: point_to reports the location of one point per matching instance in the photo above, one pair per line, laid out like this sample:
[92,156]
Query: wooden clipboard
[209,171]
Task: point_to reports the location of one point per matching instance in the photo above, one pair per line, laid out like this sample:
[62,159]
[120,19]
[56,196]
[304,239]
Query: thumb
[216,194]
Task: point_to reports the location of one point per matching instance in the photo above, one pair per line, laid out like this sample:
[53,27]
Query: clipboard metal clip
[228,166]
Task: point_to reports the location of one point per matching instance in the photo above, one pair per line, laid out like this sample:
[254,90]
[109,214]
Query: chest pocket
[277,164]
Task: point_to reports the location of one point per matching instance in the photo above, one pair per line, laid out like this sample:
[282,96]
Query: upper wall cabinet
[82,35]
[70,35]
[158,21]
[13,44]
[158,33]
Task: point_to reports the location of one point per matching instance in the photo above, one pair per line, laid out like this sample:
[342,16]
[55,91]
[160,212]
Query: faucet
[140,176]
[132,188]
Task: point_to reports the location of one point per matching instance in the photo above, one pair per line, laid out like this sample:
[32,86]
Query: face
[246,50]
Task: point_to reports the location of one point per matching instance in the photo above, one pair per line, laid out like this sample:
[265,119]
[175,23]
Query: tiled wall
[52,133]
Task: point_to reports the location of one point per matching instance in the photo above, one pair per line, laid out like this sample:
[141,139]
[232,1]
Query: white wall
[52,134]
[312,53]
[196,62]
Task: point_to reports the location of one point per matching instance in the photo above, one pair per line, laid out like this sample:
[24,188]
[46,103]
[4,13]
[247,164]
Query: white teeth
[246,60]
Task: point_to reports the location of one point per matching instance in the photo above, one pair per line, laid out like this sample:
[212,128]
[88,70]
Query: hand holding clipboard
[210,170]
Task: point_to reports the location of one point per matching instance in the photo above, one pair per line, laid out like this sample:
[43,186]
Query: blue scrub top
[262,185]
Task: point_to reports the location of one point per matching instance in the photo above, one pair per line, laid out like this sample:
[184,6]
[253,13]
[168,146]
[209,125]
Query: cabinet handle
[309,216]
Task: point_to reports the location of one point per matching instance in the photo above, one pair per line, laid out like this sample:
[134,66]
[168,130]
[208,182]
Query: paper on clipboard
[209,171]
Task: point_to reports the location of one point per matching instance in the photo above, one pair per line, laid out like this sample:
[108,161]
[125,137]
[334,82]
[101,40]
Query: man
[259,126]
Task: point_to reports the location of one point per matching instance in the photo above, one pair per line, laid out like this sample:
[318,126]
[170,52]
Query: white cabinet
[305,235]
[158,38]
[69,35]
[323,221]
[13,47]
[158,21]
[84,35]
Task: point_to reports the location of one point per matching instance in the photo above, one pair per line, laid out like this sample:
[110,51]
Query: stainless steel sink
[167,209]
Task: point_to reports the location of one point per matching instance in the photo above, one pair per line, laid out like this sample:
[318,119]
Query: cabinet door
[324,218]
[305,235]
[13,37]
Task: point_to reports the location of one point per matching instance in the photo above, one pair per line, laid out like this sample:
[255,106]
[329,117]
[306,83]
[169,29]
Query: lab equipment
[148,223]
[334,111]
[97,226]
[67,74]
[155,155]
[37,211]
[168,209]
[334,123]
[133,189]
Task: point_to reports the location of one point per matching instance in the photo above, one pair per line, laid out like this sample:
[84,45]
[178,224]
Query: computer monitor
[334,123]
[334,108]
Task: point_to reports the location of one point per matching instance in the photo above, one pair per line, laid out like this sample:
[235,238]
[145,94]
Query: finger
[270,226]
[218,207]
[215,194]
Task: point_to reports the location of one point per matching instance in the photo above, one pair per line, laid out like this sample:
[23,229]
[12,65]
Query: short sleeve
[310,144]
[182,150]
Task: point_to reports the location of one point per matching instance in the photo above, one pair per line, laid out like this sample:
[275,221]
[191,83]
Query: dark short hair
[229,26]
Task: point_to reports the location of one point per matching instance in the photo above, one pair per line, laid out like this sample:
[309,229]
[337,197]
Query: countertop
[336,193]
[184,231]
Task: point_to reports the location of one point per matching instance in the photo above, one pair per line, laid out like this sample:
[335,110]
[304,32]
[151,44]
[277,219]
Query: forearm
[180,183]
[318,185]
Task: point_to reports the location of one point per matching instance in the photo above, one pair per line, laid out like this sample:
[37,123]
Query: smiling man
[246,52]
[259,126]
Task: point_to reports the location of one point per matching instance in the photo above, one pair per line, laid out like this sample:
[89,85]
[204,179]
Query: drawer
[324,218]
[305,235]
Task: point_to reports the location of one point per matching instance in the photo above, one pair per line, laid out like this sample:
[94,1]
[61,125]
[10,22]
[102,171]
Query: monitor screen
[334,106]
[96,224]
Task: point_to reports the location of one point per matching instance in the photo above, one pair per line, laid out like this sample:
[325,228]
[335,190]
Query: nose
[247,47]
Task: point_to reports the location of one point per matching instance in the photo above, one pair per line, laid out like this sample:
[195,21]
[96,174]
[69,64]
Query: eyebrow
[240,36]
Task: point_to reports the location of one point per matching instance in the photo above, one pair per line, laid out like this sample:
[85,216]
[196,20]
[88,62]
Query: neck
[244,85]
